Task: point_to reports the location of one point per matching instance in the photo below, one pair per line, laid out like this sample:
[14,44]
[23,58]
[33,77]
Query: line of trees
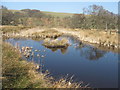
[93,17]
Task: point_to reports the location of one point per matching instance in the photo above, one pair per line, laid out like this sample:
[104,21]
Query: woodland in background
[93,17]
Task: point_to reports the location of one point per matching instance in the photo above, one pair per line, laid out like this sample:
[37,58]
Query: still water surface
[97,67]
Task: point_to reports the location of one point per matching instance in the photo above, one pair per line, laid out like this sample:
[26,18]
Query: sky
[60,0]
[68,7]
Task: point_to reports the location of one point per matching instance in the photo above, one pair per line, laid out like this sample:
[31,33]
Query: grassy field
[55,14]
[58,14]
[18,73]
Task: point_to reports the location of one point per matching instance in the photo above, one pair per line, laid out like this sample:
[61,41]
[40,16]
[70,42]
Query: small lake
[88,64]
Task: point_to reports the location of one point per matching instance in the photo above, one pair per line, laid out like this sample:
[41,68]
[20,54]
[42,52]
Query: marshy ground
[23,74]
[100,38]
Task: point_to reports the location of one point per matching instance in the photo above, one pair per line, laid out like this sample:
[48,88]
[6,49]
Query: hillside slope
[55,14]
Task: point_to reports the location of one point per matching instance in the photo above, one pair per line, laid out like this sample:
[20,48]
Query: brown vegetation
[55,43]
[48,33]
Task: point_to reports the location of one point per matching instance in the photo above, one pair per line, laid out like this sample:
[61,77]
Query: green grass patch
[58,14]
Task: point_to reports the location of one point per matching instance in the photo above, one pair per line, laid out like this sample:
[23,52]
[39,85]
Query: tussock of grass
[19,73]
[55,43]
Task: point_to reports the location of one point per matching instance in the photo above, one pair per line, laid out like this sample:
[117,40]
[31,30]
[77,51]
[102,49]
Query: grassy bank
[18,73]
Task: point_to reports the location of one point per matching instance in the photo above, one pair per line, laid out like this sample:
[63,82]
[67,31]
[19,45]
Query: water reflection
[63,50]
[91,53]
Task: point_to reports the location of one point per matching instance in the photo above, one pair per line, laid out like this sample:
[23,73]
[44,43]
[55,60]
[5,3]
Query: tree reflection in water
[91,53]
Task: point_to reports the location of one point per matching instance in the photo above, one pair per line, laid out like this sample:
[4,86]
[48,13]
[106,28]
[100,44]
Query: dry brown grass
[47,33]
[13,29]
[100,35]
[55,43]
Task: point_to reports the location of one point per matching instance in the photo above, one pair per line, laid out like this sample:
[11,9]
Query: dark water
[97,67]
